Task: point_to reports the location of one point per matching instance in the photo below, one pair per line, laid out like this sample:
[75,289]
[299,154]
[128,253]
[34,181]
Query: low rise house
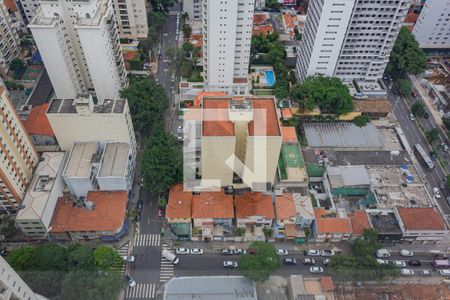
[100,216]
[385,222]
[285,217]
[346,181]
[290,23]
[359,221]
[254,212]
[39,129]
[116,167]
[45,188]
[304,216]
[178,211]
[212,216]
[330,226]
[421,225]
[376,108]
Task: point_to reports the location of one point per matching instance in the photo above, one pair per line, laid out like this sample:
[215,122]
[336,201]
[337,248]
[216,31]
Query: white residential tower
[432,29]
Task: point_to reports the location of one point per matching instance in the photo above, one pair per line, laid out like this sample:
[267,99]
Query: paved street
[414,135]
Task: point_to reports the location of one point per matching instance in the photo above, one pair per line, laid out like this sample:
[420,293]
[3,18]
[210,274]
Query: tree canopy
[361,120]
[405,86]
[148,102]
[106,258]
[259,266]
[327,93]
[418,109]
[161,162]
[7,226]
[406,55]
[432,135]
[162,5]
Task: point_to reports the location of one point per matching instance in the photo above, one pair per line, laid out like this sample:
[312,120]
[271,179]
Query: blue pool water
[270,78]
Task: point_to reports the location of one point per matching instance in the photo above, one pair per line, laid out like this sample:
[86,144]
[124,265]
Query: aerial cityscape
[224,149]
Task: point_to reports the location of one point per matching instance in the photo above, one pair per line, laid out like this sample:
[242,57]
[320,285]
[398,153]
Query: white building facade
[131,16]
[79,44]
[432,29]
[227,31]
[194,9]
[349,39]
[9,39]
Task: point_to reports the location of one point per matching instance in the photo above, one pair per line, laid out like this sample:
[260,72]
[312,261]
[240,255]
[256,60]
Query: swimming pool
[270,78]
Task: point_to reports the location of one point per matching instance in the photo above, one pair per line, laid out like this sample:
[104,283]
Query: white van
[380,253]
[170,256]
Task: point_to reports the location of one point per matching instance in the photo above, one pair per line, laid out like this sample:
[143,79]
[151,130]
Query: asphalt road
[414,135]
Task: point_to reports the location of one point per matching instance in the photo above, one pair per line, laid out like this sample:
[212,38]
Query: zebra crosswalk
[166,269]
[142,291]
[123,251]
[142,240]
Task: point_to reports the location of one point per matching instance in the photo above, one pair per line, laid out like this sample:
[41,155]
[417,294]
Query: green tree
[273,4]
[405,86]
[49,257]
[361,120]
[46,283]
[18,67]
[259,266]
[406,55]
[327,93]
[447,179]
[368,244]
[106,258]
[187,30]
[446,122]
[148,102]
[145,45]
[161,162]
[188,48]
[94,286]
[162,5]
[282,89]
[21,258]
[418,109]
[7,226]
[432,135]
[80,257]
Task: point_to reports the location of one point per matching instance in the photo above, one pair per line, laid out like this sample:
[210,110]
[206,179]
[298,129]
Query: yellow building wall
[215,150]
[349,116]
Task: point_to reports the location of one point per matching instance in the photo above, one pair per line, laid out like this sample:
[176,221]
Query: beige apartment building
[245,128]
[79,120]
[131,17]
[18,157]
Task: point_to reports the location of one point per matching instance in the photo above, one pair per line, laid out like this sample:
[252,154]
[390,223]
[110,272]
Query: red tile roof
[196,40]
[327,283]
[289,134]
[108,213]
[263,29]
[331,224]
[411,18]
[287,113]
[260,18]
[289,20]
[290,230]
[271,119]
[10,5]
[254,204]
[285,206]
[218,110]
[208,205]
[427,218]
[359,221]
[37,122]
[179,204]
[200,95]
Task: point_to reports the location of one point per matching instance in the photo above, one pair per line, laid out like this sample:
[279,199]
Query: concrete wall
[215,150]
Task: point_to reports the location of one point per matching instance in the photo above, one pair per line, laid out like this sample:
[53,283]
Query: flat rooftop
[345,176]
[384,222]
[344,158]
[68,106]
[293,162]
[115,160]
[81,158]
[389,183]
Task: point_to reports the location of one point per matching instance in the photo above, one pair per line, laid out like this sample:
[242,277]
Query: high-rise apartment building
[432,29]
[227,31]
[350,39]
[131,17]
[9,39]
[18,157]
[79,44]
[194,9]
[28,8]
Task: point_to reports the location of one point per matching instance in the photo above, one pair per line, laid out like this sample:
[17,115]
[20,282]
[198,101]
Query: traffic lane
[146,266]
[150,222]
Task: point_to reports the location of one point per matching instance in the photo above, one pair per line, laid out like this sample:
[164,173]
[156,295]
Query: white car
[197,251]
[128,258]
[436,193]
[382,261]
[398,263]
[282,252]
[326,253]
[445,272]
[130,281]
[311,252]
[426,273]
[326,261]
[407,272]
[411,117]
[407,253]
[180,129]
[316,269]
[230,264]
[180,251]
[240,251]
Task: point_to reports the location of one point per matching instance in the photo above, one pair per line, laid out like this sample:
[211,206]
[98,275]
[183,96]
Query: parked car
[326,253]
[380,253]
[426,273]
[128,258]
[414,263]
[240,251]
[406,253]
[407,272]
[180,129]
[160,212]
[326,261]
[432,155]
[230,264]
[139,206]
[311,252]
[282,252]
[382,261]
[446,149]
[181,251]
[309,261]
[316,269]
[227,251]
[289,261]
[170,256]
[398,263]
[130,281]
[196,251]
[444,272]
[411,117]
[426,115]
[180,139]
[4,252]
[436,193]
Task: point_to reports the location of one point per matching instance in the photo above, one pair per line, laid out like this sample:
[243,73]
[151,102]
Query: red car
[160,212]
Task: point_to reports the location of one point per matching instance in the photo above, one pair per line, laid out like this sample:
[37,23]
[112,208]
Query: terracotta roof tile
[372,105]
[196,40]
[289,134]
[331,224]
[327,283]
[254,204]
[240,80]
[359,221]
[37,122]
[212,205]
[201,95]
[287,113]
[411,18]
[263,29]
[290,230]
[108,213]
[272,122]
[426,218]
[218,109]
[285,206]
[289,20]
[179,204]
[10,5]
[259,19]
